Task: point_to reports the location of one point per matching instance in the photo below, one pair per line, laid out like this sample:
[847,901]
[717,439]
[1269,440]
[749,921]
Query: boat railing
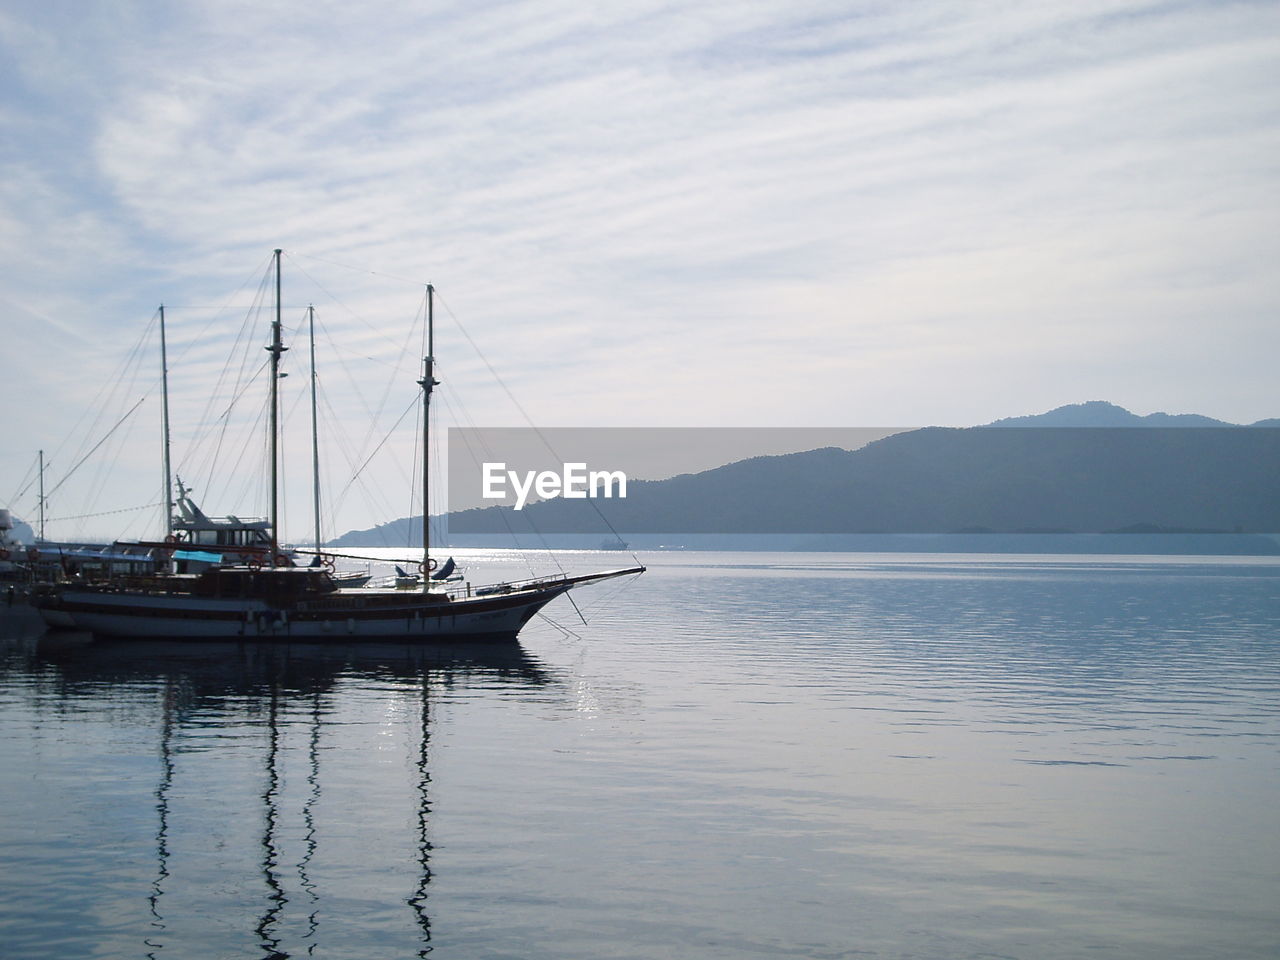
[135,583]
[465,590]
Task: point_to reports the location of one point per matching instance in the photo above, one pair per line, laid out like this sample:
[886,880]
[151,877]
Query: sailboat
[276,600]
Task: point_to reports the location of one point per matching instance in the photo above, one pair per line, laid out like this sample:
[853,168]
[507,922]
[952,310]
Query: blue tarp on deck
[200,555]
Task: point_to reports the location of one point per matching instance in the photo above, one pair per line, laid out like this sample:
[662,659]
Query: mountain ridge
[1102,413]
[1019,474]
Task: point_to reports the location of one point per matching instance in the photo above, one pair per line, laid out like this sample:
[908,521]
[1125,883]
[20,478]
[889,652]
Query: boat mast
[275,349]
[164,427]
[315,437]
[41,495]
[427,382]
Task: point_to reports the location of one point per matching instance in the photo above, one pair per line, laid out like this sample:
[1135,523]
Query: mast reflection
[309,822]
[162,816]
[275,895]
[419,899]
[286,705]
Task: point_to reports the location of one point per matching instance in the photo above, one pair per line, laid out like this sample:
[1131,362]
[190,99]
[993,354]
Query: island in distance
[1114,482]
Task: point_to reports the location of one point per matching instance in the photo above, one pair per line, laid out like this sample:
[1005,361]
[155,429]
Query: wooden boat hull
[343,616]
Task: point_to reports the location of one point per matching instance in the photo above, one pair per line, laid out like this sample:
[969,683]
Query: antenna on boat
[315,440]
[164,428]
[275,349]
[427,382]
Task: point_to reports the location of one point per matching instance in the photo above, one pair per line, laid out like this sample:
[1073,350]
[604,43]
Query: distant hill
[1100,413]
[941,480]
[406,531]
[1020,475]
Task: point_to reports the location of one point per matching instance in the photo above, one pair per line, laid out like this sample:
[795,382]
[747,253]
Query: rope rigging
[224,451]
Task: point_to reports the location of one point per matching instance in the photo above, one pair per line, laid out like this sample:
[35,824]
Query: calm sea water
[742,755]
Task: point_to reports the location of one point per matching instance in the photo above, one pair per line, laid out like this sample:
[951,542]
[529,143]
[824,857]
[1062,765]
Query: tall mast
[315,434]
[41,495]
[275,349]
[164,427]
[427,382]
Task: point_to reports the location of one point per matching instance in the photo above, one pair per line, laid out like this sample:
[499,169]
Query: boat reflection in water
[287,789]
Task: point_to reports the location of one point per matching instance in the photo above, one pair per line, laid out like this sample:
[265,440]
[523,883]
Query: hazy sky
[648,214]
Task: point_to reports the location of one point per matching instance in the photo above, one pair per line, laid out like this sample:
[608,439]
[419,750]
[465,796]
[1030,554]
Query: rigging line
[460,411]
[404,352]
[564,631]
[218,310]
[246,485]
[152,520]
[321,287]
[354,455]
[213,457]
[247,479]
[207,471]
[529,420]
[346,448]
[327,552]
[337,354]
[465,436]
[128,387]
[210,307]
[372,495]
[569,597]
[240,347]
[505,515]
[299,398]
[372,273]
[247,340]
[106,466]
[231,405]
[67,476]
[105,399]
[390,381]
[381,443]
[104,513]
[29,478]
[204,451]
[608,596]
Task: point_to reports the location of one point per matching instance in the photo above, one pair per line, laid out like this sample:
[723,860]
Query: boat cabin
[213,541]
[273,584]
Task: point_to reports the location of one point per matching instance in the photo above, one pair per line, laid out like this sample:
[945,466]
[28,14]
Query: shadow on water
[282,708]
[18,620]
